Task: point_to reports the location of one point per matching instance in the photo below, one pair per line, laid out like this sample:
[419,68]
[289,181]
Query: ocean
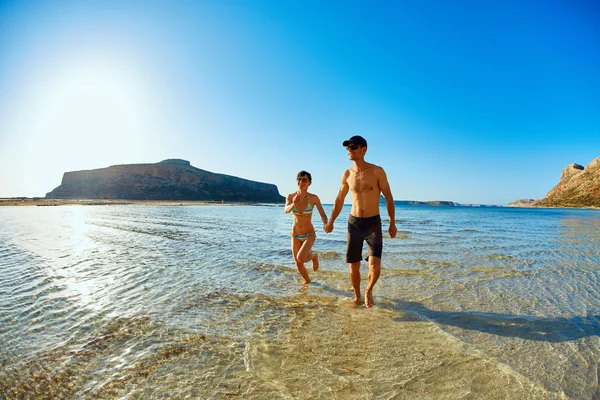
[204,302]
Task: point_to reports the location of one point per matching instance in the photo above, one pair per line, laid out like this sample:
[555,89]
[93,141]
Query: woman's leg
[296,249]
[306,254]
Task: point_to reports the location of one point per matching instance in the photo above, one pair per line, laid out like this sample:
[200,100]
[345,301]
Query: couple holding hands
[367,182]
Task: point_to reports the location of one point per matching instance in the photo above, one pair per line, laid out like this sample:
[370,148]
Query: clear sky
[475,101]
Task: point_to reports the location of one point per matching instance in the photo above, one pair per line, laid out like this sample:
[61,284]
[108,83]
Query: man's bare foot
[315,262]
[306,282]
[369,299]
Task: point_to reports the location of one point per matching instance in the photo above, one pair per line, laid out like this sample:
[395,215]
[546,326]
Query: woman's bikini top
[307,211]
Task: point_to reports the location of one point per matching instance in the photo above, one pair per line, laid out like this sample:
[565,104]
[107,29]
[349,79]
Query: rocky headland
[578,187]
[173,180]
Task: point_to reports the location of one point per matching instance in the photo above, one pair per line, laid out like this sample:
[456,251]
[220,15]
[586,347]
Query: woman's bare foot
[315,262]
[369,299]
[357,301]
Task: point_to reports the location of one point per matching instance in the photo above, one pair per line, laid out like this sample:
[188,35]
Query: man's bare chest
[362,181]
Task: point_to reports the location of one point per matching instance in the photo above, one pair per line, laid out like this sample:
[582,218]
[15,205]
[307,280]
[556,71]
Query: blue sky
[469,101]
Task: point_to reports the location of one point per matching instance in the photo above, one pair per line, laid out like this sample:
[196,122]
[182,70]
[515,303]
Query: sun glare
[92,106]
[82,111]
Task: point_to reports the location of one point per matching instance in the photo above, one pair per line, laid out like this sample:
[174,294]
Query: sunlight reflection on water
[204,301]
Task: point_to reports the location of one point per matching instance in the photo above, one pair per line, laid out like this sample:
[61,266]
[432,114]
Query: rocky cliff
[167,180]
[578,187]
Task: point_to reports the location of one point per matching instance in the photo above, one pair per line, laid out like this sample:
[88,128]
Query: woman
[301,204]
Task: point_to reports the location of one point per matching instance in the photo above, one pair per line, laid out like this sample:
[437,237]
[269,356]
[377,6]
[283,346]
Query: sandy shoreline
[104,202]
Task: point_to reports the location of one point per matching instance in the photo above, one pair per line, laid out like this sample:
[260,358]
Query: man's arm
[384,186]
[338,203]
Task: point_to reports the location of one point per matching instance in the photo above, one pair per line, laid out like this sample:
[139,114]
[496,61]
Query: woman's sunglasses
[302,179]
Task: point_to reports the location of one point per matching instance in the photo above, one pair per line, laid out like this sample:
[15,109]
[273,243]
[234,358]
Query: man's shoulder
[378,168]
[375,168]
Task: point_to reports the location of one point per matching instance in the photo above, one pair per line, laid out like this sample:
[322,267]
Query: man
[367,182]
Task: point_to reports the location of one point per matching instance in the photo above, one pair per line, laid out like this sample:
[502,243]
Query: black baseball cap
[358,140]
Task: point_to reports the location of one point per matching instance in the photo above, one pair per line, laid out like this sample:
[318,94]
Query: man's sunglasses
[352,147]
[302,179]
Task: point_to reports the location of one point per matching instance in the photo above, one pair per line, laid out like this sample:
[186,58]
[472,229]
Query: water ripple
[125,301]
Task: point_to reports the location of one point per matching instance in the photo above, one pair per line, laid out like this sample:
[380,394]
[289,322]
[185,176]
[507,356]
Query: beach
[138,301]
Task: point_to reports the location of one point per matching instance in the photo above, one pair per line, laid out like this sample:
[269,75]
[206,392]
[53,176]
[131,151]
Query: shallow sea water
[140,302]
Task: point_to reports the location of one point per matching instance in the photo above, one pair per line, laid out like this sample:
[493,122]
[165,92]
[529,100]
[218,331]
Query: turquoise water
[205,302]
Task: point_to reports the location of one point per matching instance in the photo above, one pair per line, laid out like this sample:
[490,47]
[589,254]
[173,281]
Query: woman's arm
[290,203]
[320,208]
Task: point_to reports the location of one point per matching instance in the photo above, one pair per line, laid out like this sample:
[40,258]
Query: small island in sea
[170,180]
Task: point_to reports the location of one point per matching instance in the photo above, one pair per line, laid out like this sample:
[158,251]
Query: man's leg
[375,245]
[354,254]
[355,280]
[374,271]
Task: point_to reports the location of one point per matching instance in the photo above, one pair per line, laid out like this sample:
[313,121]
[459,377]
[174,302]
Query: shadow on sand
[510,325]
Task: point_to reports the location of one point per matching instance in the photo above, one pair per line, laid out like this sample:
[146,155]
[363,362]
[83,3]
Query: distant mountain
[578,187]
[172,179]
